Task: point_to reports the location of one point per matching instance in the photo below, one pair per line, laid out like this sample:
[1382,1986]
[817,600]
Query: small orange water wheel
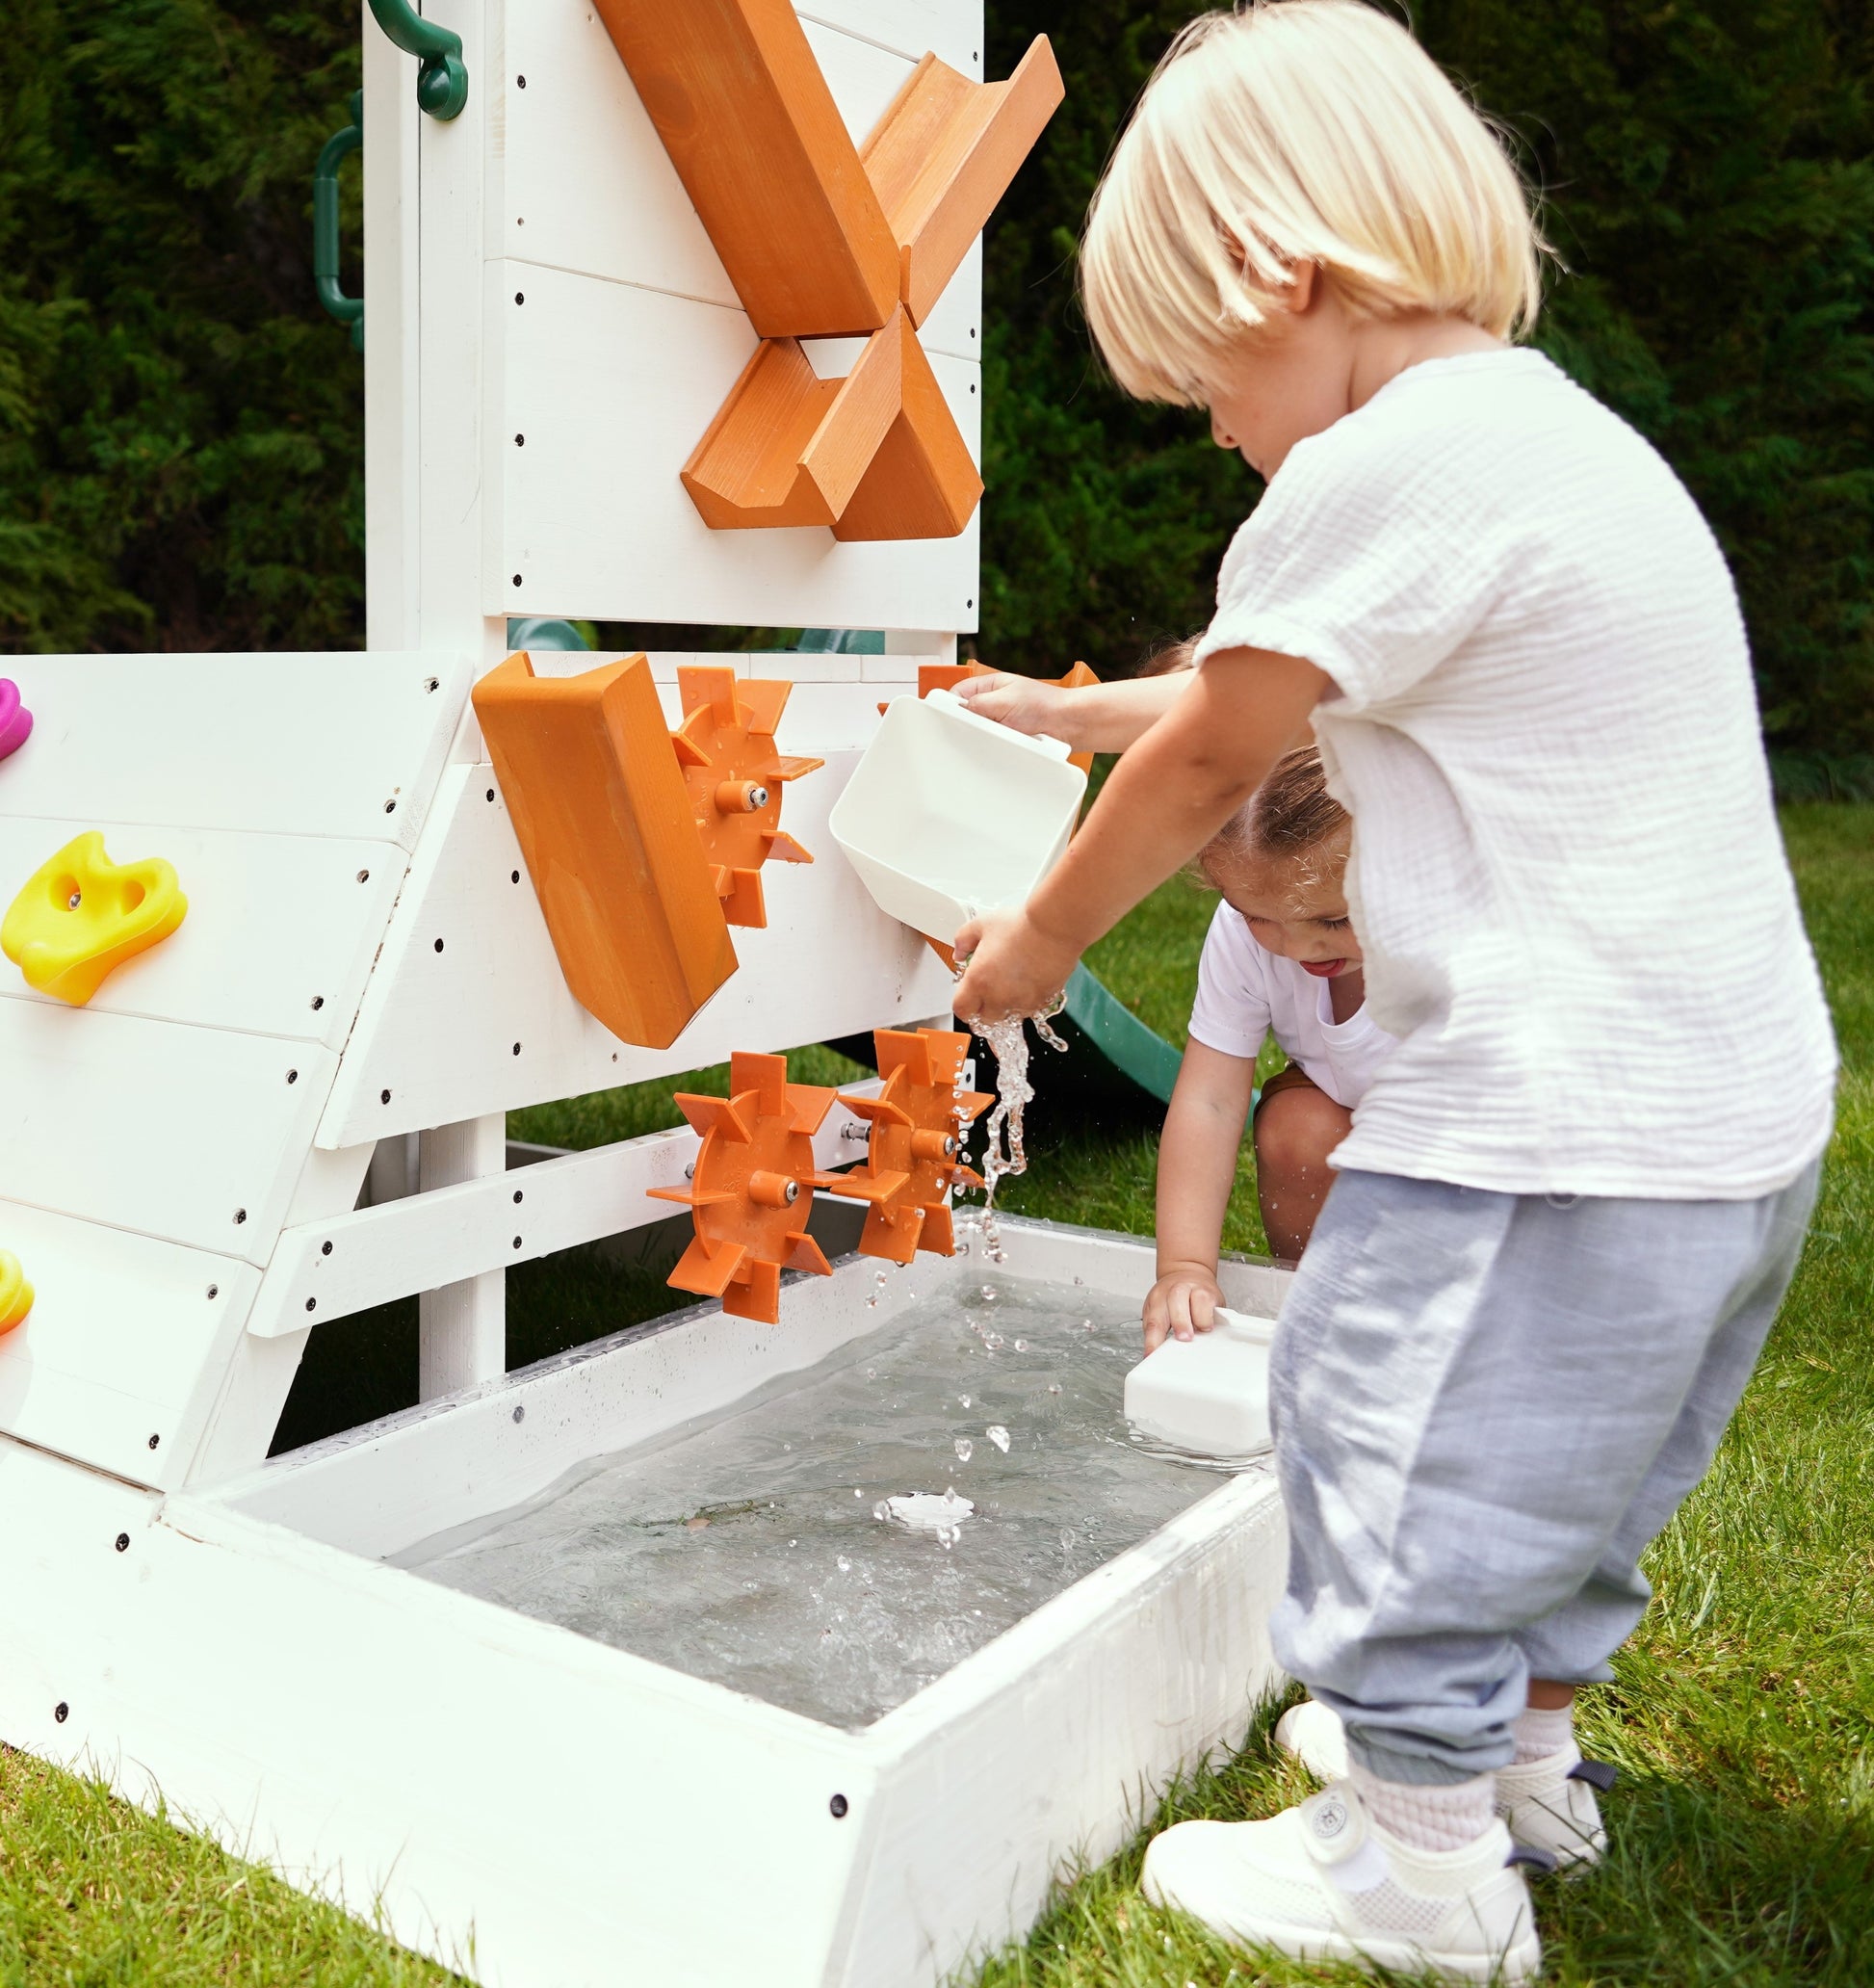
[734,773]
[753,1186]
[915,1152]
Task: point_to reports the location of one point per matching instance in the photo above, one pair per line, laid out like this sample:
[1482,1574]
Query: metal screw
[292,1076]
[517,1241]
[517,1049]
[390,807]
[312,1304]
[839,1806]
[325,1249]
[522,81]
[318,1001]
[513,876]
[61,1712]
[214,1291]
[517,1197]
[520,1414]
[520,442]
[124,1542]
[491,792]
[240,1216]
[364,876]
[383,1097]
[434,683]
[438,945]
[154,1440]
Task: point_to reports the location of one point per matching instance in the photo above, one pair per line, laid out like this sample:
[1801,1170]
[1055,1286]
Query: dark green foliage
[181,430]
[1709,187]
[180,461]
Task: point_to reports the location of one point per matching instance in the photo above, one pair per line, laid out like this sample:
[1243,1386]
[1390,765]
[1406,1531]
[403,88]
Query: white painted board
[586,186]
[120,1361]
[343,1262]
[438,1031]
[279,936]
[338,745]
[195,1136]
[612,387]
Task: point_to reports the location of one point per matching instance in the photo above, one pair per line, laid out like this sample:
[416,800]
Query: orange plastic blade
[793,767]
[743,901]
[765,1075]
[707,1114]
[707,1273]
[758,1297]
[783,848]
[973,1104]
[903,1049]
[811,1104]
[867,1187]
[700,685]
[808,1255]
[879,1110]
[894,1237]
[763,700]
[937,1234]
[687,749]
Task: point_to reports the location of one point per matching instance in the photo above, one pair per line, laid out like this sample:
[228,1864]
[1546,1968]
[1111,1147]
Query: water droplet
[998,1436]
[989,1292]
[964,1398]
[993,1340]
[857,1493]
[844,1564]
[1054,1387]
[1021,1346]
[964,1449]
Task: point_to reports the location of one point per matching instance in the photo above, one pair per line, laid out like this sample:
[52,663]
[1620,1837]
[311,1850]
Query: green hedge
[179,427]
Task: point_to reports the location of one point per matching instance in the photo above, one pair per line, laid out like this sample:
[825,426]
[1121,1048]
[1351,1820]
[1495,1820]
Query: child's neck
[1346,993]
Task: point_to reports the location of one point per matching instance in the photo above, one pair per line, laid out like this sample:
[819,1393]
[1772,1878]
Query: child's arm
[1166,797]
[1090,718]
[1197,1167]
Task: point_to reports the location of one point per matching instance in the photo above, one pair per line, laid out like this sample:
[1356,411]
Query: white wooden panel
[437,1030]
[950,29]
[166,1131]
[613,387]
[586,186]
[279,936]
[324,1714]
[335,745]
[327,1269]
[125,1342]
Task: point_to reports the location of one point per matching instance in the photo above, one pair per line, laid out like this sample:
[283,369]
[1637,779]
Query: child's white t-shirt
[1243,991]
[1569,890]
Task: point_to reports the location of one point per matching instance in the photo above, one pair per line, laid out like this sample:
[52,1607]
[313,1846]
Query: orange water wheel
[915,1152]
[734,773]
[753,1186]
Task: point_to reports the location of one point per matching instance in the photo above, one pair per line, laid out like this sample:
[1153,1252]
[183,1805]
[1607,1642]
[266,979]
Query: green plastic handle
[442,77]
[347,310]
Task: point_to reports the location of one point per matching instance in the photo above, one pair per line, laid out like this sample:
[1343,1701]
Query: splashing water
[1004,1133]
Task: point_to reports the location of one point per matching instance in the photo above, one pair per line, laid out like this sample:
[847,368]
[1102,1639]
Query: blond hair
[1297,131]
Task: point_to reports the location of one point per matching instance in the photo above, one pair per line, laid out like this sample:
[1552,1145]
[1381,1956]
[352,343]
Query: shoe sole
[1520,1962]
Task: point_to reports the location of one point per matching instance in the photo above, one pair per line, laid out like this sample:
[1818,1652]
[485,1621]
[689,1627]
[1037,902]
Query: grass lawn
[1743,1829]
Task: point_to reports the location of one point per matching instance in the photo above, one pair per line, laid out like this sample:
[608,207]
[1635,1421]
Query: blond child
[1279,957]
[1533,1301]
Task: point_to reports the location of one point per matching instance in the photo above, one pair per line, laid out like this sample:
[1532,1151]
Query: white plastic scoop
[1207,1394]
[947,814]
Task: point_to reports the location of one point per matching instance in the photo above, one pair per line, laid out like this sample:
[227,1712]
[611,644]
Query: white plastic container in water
[949,814]
[1209,1393]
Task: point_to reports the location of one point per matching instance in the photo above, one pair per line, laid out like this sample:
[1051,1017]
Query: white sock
[1429,1815]
[1539,1733]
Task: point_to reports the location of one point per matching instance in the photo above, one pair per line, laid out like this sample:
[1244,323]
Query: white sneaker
[1549,1804]
[1324,1882]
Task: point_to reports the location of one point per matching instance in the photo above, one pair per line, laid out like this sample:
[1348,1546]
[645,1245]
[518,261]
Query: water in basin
[813,1546]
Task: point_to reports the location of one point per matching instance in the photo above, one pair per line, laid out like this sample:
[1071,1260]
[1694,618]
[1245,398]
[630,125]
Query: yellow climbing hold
[15,1293]
[81,916]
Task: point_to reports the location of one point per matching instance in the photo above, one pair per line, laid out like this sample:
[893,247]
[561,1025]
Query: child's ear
[1304,286]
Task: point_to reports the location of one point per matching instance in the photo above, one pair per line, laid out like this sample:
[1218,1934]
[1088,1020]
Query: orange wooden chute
[824,238]
[733,773]
[914,1155]
[752,1190]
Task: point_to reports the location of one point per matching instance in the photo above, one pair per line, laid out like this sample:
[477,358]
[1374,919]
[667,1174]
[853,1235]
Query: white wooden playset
[277,914]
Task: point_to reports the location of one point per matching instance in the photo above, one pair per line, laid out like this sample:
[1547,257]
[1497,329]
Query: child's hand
[1010,968]
[1183,1301]
[1019,702]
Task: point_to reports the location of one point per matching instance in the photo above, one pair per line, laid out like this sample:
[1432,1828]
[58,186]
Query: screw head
[154,1440]
[839,1806]
[520,1414]
[124,1542]
[61,1712]
[312,1304]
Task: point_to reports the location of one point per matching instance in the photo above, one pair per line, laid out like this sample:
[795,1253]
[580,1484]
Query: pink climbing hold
[15,720]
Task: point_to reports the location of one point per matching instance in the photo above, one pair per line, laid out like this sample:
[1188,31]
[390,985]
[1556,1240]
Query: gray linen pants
[1485,1406]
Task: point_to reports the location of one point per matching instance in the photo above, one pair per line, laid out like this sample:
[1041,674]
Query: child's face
[1292,378]
[1296,906]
